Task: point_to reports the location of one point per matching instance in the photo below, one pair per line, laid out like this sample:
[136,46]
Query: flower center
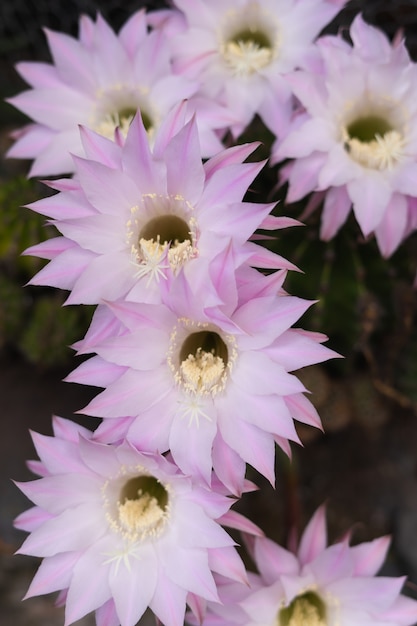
[307,609]
[166,240]
[203,359]
[251,42]
[142,508]
[373,142]
[116,107]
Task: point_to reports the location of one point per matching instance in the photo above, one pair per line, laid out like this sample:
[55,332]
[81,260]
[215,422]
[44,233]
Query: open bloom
[214,389]
[134,219]
[357,137]
[319,585]
[239,50]
[119,530]
[100,80]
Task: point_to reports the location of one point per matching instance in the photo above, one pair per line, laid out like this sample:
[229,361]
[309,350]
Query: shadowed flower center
[372,141]
[116,108]
[202,360]
[307,609]
[142,508]
[250,40]
[161,241]
[122,120]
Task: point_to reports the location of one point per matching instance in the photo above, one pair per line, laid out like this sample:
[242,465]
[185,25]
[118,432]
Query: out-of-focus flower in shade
[100,81]
[239,51]
[356,138]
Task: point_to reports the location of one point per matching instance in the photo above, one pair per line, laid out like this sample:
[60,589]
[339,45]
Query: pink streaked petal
[370,42]
[404,179]
[133,32]
[195,529]
[74,529]
[194,574]
[63,270]
[54,574]
[71,59]
[338,169]
[39,74]
[68,430]
[133,587]
[57,157]
[263,604]
[229,156]
[99,148]
[233,519]
[372,594]
[132,393]
[392,229]
[141,351]
[114,431]
[54,493]
[294,349]
[106,615]
[87,592]
[228,465]
[403,611]
[99,233]
[272,315]
[229,184]
[253,445]
[191,443]
[168,601]
[369,557]
[198,606]
[170,127]
[331,565]
[314,539]
[260,257]
[62,206]
[111,60]
[96,372]
[148,432]
[138,163]
[255,373]
[227,562]
[50,248]
[58,109]
[303,176]
[31,139]
[31,519]
[185,173]
[336,208]
[99,458]
[370,196]
[267,412]
[104,278]
[302,410]
[57,454]
[108,190]
[272,560]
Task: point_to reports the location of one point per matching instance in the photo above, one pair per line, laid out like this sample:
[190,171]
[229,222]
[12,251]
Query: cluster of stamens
[307,609]
[252,40]
[199,369]
[141,511]
[152,253]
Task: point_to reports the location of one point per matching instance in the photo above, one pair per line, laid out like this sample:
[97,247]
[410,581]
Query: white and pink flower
[120,531]
[356,139]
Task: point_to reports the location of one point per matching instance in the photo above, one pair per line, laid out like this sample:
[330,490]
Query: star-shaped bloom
[215,389]
[113,525]
[319,585]
[356,140]
[101,80]
[135,220]
[239,50]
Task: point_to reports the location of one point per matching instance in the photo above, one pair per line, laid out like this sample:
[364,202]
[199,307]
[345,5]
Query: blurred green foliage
[32,320]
